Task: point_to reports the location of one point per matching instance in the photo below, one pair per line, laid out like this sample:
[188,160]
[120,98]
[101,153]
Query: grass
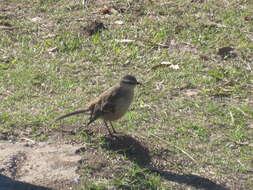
[203,110]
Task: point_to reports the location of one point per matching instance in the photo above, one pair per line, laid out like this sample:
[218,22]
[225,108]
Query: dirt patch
[94,27]
[44,164]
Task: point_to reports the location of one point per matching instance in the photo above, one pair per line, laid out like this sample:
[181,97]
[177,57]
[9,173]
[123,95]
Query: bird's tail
[72,113]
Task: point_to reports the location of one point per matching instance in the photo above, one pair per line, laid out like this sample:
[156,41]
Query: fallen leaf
[119,22]
[36,19]
[105,10]
[52,50]
[175,67]
[124,41]
[163,64]
[166,64]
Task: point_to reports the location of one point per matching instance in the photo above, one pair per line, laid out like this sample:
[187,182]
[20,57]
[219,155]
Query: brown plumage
[111,104]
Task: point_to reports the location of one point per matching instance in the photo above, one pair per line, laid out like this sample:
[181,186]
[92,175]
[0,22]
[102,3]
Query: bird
[111,105]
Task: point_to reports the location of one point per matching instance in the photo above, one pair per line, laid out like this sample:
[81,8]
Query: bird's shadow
[7,183]
[139,154]
[129,147]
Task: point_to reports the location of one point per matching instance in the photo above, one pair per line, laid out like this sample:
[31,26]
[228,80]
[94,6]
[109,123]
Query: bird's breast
[121,106]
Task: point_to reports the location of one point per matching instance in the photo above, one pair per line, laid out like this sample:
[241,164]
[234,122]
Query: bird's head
[129,81]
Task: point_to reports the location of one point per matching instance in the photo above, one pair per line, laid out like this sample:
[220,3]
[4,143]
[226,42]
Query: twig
[232,118]
[186,153]
[30,140]
[241,163]
[247,115]
[183,151]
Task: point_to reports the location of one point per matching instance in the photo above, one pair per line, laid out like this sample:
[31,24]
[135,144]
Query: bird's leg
[114,131]
[91,112]
[108,128]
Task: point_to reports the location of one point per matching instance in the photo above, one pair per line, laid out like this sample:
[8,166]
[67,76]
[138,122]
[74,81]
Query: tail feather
[72,113]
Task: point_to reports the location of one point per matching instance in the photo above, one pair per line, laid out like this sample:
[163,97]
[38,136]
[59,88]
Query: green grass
[49,66]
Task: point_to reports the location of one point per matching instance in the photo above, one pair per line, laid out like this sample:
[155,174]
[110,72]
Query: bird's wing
[105,103]
[108,101]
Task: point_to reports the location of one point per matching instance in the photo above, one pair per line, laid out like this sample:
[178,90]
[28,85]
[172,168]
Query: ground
[40,164]
[190,125]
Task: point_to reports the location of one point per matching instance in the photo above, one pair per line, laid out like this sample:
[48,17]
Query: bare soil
[38,165]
